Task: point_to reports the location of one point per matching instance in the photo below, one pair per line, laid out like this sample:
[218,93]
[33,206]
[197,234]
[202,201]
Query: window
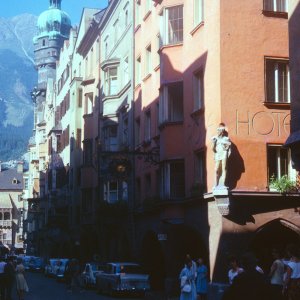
[276,5]
[111,191]
[173,25]
[78,138]
[158,44]
[124,135]
[147,126]
[110,138]
[88,152]
[198,91]
[138,71]
[106,47]
[126,18]
[171,103]
[279,162]
[26,184]
[86,67]
[126,71]
[80,98]
[148,5]
[277,81]
[198,12]
[137,13]
[173,180]
[200,172]
[116,31]
[137,132]
[88,106]
[111,81]
[148,61]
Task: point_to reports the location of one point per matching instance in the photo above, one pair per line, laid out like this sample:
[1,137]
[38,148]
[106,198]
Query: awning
[293,138]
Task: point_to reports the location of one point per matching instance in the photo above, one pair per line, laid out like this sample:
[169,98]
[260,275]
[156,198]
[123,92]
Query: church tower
[53,28]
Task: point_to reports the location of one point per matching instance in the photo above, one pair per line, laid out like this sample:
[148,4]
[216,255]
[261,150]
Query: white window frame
[291,171]
[198,12]
[138,70]
[165,105]
[272,5]
[198,90]
[110,195]
[148,60]
[164,26]
[109,79]
[277,80]
[147,124]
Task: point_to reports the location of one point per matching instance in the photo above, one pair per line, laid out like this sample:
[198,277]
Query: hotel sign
[262,123]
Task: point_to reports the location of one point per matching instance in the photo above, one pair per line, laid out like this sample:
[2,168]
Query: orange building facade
[197,64]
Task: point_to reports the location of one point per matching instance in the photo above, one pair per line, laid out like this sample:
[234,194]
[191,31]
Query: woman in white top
[235,270]
[292,281]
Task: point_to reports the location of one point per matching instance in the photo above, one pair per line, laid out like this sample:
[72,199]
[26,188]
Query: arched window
[6,216]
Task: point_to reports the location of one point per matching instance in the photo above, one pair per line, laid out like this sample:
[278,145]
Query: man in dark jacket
[9,273]
[250,284]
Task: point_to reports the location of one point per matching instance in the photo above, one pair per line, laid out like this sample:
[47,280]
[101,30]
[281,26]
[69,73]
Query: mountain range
[17,78]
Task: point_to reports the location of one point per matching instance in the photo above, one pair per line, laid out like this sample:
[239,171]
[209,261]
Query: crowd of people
[12,273]
[246,279]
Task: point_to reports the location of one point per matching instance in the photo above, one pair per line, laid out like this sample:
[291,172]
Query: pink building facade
[197,64]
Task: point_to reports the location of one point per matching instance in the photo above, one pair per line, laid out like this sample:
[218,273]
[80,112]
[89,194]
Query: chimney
[20,167]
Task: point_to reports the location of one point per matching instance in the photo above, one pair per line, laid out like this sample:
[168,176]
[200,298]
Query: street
[42,288]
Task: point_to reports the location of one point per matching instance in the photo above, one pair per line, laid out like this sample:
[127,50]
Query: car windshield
[129,269]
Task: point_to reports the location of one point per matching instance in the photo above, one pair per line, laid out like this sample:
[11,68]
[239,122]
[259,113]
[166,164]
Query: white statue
[221,146]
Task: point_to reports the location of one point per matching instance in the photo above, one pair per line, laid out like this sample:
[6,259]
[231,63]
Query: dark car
[36,264]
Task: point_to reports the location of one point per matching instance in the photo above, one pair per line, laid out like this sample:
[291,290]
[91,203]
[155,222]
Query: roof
[5,201]
[11,180]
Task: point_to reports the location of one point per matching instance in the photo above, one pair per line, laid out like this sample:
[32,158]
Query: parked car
[122,278]
[36,264]
[49,267]
[59,268]
[26,260]
[88,276]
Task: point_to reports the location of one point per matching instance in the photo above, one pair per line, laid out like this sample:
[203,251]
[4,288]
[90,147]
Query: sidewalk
[215,292]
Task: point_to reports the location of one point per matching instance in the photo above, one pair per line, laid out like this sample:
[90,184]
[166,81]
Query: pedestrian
[2,278]
[235,269]
[201,280]
[187,281]
[21,282]
[276,275]
[249,284]
[194,265]
[76,276]
[68,275]
[9,271]
[292,280]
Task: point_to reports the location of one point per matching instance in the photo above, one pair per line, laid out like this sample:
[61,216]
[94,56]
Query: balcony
[5,223]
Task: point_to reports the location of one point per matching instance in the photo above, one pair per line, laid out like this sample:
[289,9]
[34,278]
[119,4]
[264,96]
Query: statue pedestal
[221,195]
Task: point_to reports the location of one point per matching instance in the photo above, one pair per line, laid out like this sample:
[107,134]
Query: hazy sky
[10,8]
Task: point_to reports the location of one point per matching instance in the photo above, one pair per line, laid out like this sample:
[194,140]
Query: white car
[122,278]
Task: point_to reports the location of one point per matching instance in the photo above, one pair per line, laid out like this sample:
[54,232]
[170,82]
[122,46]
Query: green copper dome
[53,22]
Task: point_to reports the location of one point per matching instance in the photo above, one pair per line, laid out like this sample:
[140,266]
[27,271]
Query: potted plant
[283,184]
